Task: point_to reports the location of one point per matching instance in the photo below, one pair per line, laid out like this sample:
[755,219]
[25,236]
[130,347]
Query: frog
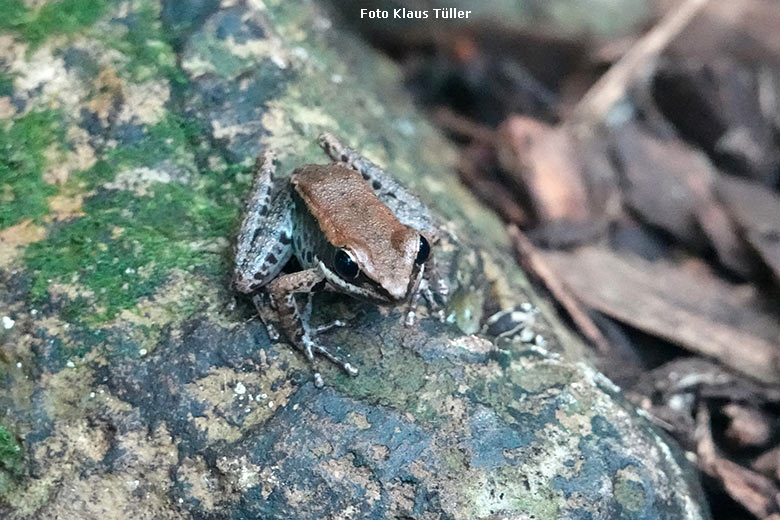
[352,228]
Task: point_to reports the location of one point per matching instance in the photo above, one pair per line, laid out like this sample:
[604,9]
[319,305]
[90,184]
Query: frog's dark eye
[424,251]
[344,265]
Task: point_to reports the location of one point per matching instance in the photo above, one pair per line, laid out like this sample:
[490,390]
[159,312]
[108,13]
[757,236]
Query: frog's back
[345,207]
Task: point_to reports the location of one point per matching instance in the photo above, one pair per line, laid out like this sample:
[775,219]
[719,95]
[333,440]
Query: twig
[635,65]
[462,126]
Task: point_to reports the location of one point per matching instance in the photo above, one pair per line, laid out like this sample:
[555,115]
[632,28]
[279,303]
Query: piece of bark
[669,185]
[718,106]
[541,161]
[568,182]
[697,311]
[757,211]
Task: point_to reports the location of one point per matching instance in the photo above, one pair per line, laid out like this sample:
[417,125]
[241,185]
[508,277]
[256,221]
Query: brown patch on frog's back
[346,208]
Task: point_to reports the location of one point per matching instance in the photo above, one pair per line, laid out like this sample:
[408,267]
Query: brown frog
[353,230]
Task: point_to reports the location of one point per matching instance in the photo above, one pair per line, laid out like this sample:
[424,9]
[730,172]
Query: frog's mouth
[367,289]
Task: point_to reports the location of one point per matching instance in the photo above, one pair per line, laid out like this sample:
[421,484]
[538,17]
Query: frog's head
[386,273]
[367,252]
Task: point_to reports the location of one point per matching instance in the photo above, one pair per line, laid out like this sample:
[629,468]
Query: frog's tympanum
[353,230]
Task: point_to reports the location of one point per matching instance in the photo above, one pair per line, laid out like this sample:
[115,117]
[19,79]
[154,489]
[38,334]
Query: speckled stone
[134,384]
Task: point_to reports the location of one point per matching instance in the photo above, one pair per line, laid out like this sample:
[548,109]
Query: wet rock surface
[134,385]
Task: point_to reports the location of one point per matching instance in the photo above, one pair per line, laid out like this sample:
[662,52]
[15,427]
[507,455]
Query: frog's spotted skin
[353,230]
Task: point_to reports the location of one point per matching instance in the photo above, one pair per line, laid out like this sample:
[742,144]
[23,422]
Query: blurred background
[632,149]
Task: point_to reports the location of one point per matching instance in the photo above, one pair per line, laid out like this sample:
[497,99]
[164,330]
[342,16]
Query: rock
[134,388]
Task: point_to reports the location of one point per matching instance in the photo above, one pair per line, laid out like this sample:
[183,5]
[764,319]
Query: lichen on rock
[134,384]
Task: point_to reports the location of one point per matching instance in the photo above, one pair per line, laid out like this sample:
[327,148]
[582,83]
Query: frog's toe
[333,358]
[273,334]
[329,326]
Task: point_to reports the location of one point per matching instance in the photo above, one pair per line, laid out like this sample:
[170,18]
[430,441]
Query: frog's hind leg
[321,329]
[379,179]
[296,323]
[265,239]
[265,311]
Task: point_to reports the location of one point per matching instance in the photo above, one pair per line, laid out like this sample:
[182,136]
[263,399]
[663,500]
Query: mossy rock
[136,385]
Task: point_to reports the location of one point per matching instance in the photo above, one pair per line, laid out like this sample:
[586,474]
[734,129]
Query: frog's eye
[424,251]
[344,265]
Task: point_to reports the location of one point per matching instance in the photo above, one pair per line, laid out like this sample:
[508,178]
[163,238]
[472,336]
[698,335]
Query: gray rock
[132,386]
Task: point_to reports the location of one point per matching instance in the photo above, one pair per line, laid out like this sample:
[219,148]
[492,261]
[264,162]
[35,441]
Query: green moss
[455,460]
[147,46]
[397,378]
[125,245]
[11,459]
[15,14]
[630,494]
[541,508]
[6,83]
[22,189]
[542,377]
[172,139]
[73,310]
[58,17]
[396,381]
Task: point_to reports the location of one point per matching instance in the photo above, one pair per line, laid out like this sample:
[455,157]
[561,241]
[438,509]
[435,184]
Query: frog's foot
[310,348]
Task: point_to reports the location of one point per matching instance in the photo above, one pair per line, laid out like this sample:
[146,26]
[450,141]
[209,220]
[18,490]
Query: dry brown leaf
[542,163]
[670,185]
[695,310]
[757,211]
[768,463]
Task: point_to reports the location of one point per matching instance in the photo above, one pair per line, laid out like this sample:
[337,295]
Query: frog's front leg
[264,242]
[296,323]
[430,285]
[434,283]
